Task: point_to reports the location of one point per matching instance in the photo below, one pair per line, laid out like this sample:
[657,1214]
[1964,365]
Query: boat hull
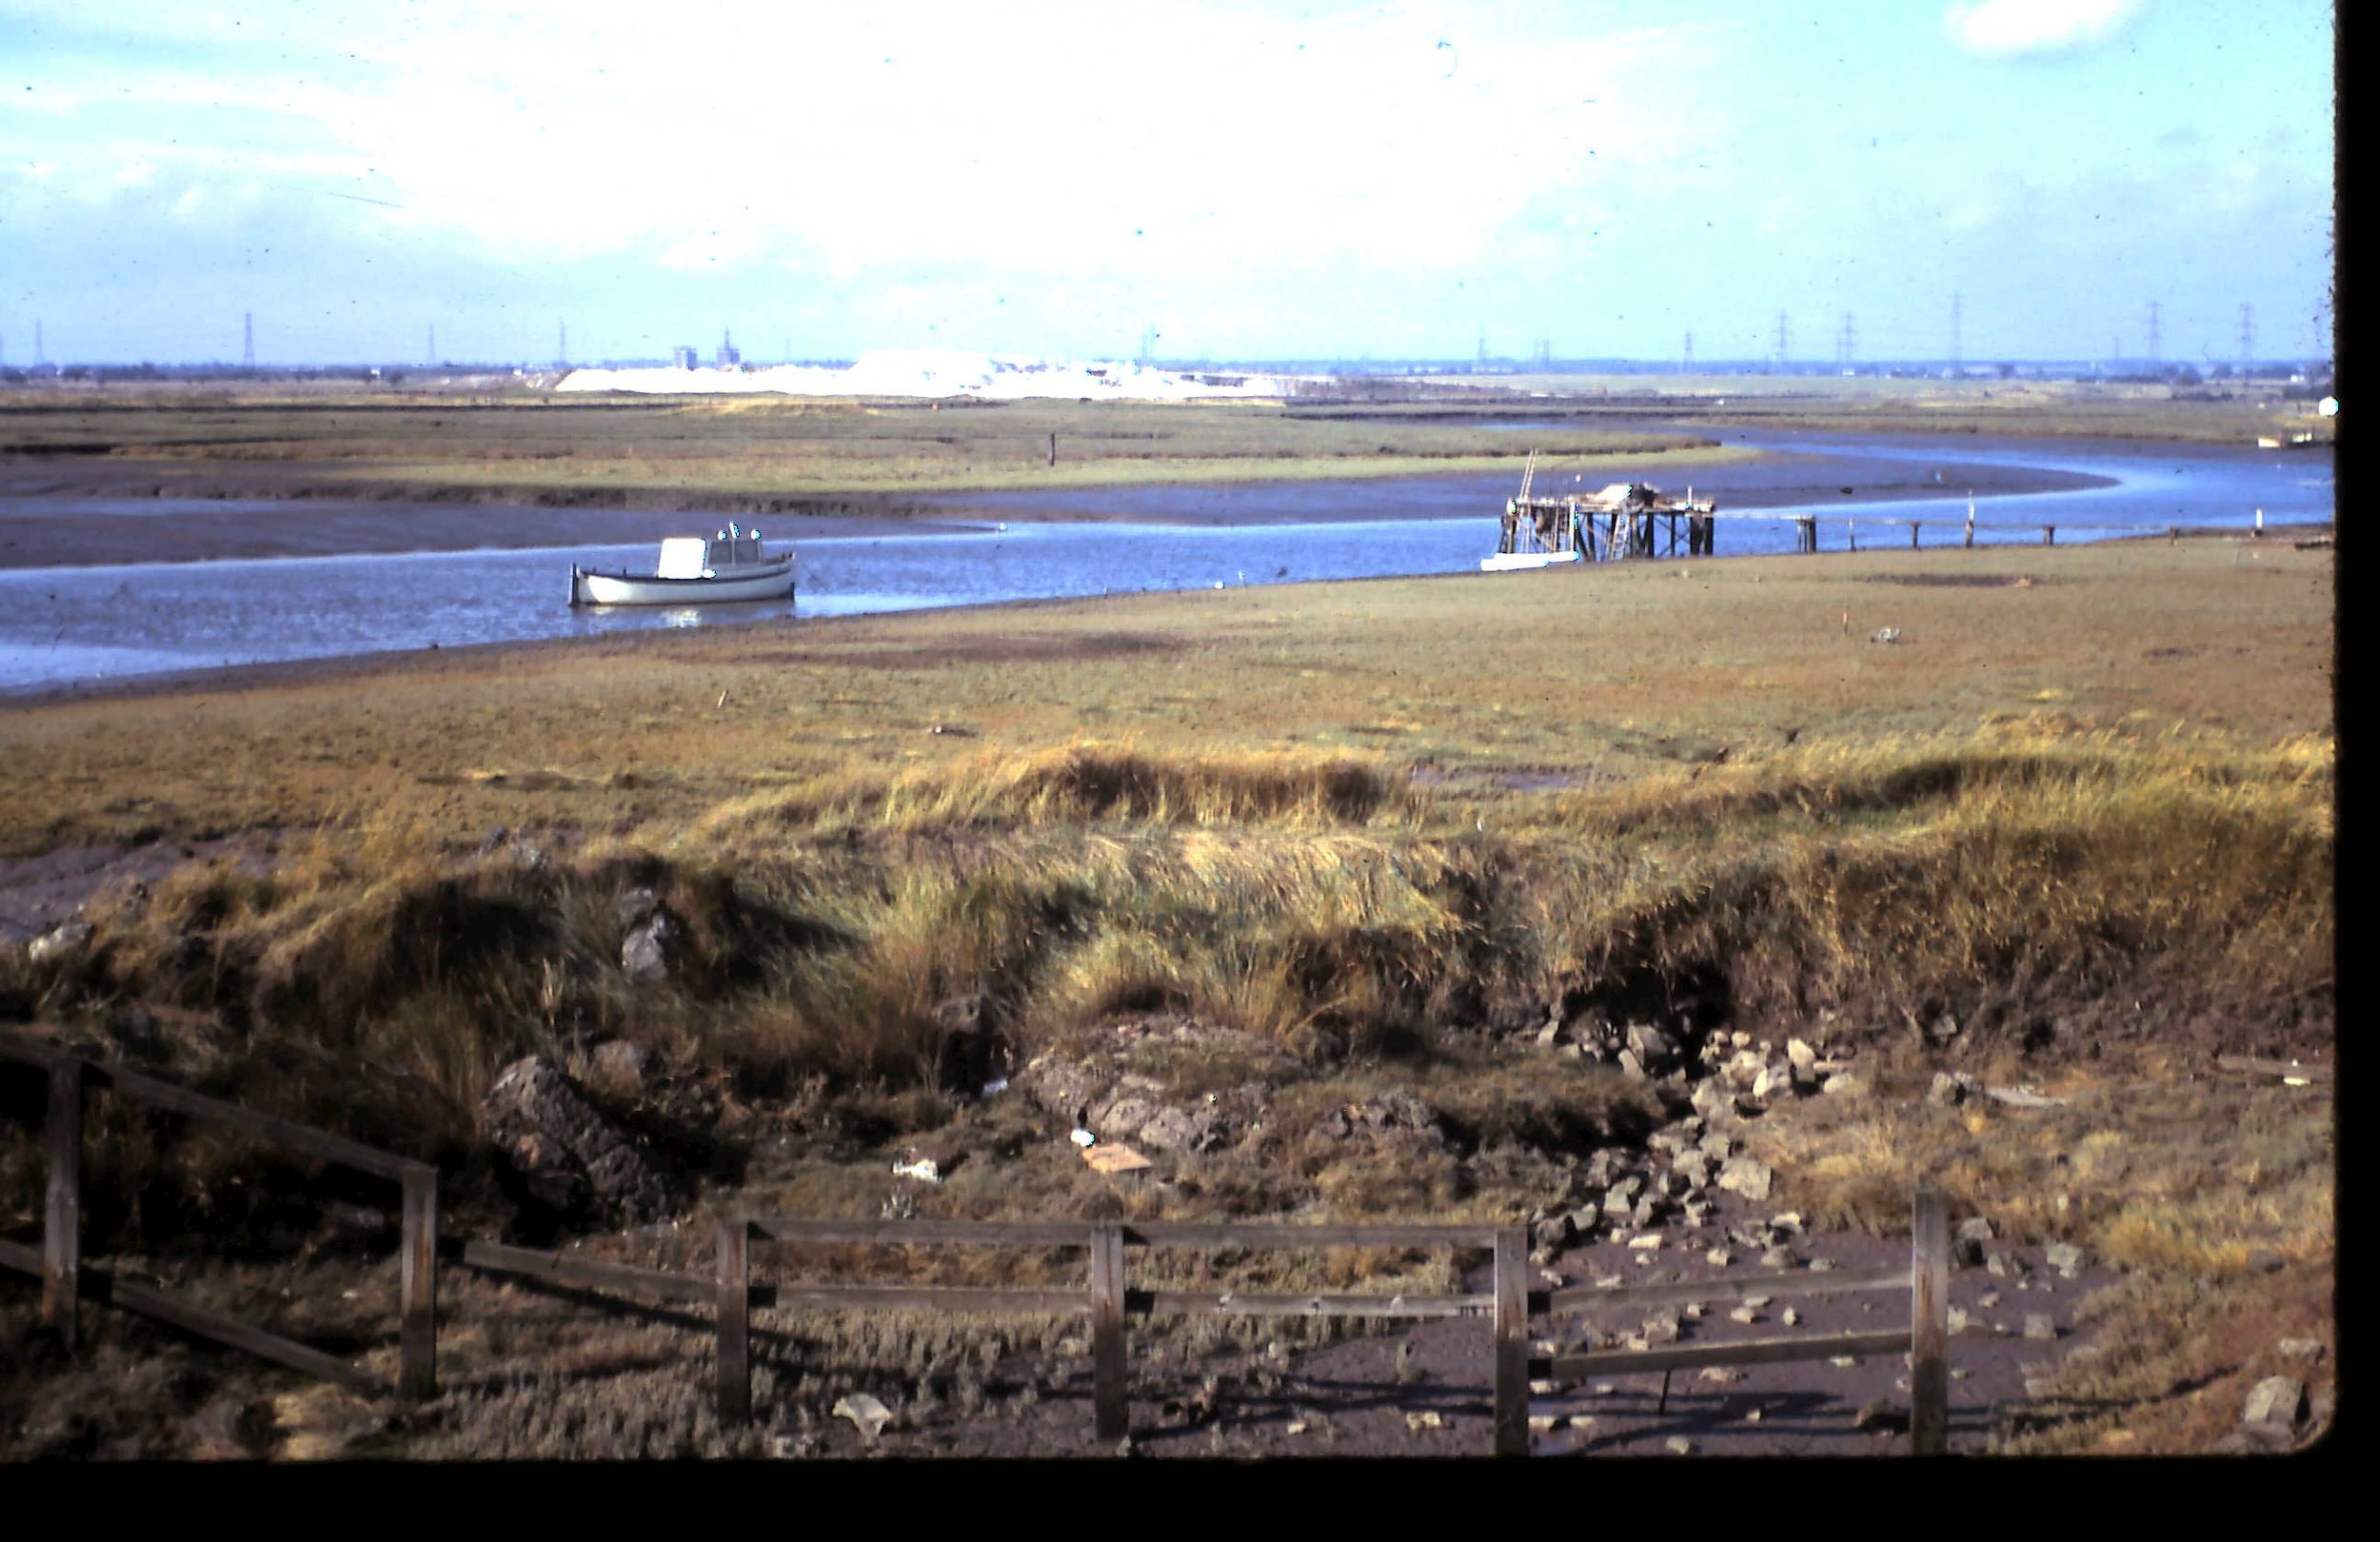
[773,581]
[1513,562]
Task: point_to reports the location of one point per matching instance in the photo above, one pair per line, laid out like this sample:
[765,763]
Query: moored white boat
[732,565]
[1506,562]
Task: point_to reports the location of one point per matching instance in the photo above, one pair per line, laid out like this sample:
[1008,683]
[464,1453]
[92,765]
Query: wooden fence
[66,1280]
[1109,1299]
[1508,1302]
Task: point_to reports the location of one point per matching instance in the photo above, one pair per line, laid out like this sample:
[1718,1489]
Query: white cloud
[1173,138]
[2000,28]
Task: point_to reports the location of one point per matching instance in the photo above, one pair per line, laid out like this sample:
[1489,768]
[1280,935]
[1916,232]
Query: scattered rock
[645,956]
[60,942]
[1744,1176]
[1882,1415]
[2065,1257]
[2040,1325]
[1546,1423]
[2278,1401]
[2023,1097]
[2266,1261]
[571,1158]
[929,1163]
[1426,1419]
[2303,1349]
[1885,634]
[1680,1446]
[1946,1091]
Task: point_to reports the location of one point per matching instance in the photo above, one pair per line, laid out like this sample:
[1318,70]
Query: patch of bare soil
[38,893]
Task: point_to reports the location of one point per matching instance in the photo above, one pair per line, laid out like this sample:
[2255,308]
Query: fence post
[1929,1327]
[417,1327]
[62,1218]
[1512,1342]
[735,1316]
[1111,1411]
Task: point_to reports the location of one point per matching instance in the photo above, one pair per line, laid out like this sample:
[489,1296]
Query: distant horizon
[1494,365]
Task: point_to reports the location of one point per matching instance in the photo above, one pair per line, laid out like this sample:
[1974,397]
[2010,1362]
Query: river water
[66,625]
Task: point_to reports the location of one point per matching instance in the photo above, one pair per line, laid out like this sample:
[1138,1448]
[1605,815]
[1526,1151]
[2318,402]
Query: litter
[865,1412]
[1114,1158]
[1083,1139]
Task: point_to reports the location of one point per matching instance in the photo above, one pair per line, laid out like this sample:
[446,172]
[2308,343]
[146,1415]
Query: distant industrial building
[683,356]
[728,357]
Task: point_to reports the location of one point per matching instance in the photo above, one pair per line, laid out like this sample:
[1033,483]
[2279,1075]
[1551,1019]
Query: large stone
[2278,1403]
[1946,1091]
[1744,1176]
[1656,1051]
[2065,1257]
[1882,1415]
[645,956]
[569,1157]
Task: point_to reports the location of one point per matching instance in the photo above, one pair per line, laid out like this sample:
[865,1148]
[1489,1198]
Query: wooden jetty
[1627,519]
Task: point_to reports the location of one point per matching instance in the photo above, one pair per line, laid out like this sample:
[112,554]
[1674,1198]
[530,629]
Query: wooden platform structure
[1625,520]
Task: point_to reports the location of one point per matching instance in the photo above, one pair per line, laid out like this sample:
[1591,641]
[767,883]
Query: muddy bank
[1773,479]
[103,527]
[59,510]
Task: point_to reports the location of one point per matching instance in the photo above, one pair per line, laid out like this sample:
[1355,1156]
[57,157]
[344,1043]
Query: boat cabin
[684,556]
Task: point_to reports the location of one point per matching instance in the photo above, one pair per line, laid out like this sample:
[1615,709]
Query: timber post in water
[1053,449]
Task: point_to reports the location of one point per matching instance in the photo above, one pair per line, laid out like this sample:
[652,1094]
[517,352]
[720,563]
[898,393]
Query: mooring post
[1111,1411]
[1053,449]
[417,1287]
[1512,1341]
[2049,535]
[1929,1327]
[62,1218]
[1913,535]
[735,1321]
[1850,532]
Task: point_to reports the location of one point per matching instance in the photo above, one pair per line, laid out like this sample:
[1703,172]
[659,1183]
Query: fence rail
[67,1280]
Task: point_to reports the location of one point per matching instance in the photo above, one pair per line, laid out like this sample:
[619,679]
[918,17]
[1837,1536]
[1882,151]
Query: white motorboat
[692,571]
[1508,561]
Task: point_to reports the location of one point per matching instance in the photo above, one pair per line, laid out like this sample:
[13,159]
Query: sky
[1246,179]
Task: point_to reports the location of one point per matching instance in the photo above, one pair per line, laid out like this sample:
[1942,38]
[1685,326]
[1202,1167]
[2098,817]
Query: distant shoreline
[76,513]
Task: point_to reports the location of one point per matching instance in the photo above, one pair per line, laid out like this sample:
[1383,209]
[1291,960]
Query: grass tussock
[1072,783]
[2019,884]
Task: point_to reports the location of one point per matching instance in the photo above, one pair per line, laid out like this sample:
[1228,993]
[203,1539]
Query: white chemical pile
[943,374]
